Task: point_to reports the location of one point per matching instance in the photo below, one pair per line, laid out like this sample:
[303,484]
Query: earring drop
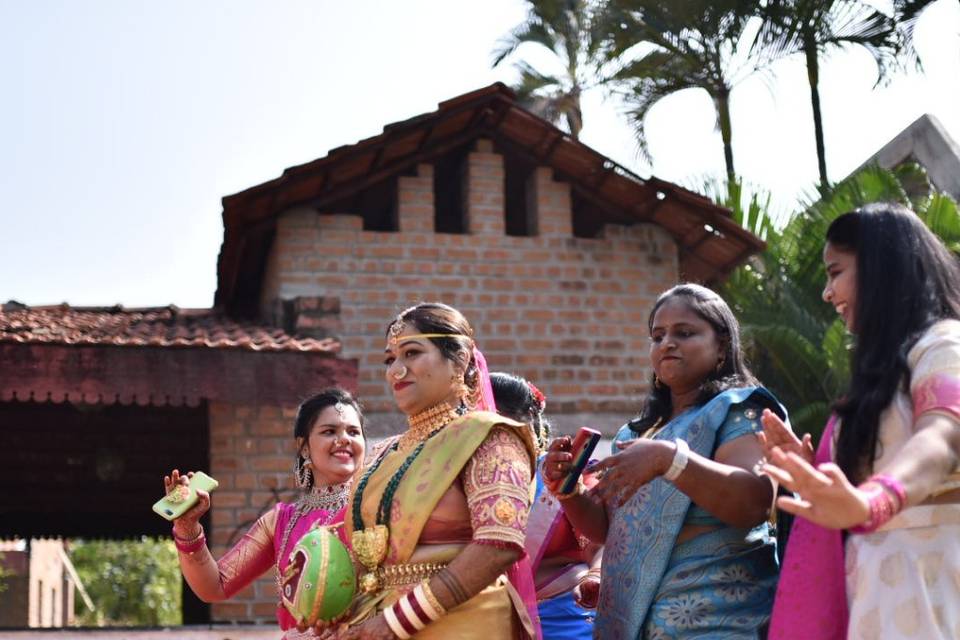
[400,373]
[303,473]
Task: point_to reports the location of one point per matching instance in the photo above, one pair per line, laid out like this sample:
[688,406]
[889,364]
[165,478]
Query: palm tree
[906,13]
[814,28]
[796,343]
[564,28]
[666,47]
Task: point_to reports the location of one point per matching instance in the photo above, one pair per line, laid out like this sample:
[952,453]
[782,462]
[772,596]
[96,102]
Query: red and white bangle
[184,545]
[413,611]
[887,498]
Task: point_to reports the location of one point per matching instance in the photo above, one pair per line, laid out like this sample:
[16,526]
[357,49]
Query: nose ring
[400,373]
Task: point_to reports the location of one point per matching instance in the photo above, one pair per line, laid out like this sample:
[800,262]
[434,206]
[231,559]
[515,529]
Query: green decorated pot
[319,582]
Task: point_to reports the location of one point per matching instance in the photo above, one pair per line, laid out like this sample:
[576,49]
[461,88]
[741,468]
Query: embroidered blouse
[490,502]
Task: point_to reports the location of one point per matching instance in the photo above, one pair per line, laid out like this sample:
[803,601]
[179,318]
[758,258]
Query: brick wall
[568,313]
[251,454]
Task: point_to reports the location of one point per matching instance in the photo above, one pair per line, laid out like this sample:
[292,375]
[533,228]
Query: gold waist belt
[396,575]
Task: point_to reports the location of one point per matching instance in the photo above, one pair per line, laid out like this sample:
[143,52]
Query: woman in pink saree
[565,565]
[886,471]
[330,450]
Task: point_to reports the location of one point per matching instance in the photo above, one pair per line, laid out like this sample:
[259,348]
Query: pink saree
[811,599]
[284,513]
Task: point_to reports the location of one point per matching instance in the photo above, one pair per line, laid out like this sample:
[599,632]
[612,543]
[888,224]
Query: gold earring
[656,382]
[303,473]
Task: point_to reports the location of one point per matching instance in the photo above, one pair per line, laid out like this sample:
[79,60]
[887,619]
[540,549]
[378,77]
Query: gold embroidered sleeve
[496,481]
[251,557]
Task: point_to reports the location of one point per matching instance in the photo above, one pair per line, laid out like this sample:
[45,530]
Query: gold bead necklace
[423,424]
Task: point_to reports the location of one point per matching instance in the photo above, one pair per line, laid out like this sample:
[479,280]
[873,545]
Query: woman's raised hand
[825,496]
[621,475]
[559,460]
[187,526]
[777,433]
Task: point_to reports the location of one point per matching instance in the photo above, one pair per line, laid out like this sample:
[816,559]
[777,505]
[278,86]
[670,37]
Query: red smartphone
[583,445]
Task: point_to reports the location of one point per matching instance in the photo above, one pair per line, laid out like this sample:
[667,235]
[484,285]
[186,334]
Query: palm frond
[796,344]
[531,31]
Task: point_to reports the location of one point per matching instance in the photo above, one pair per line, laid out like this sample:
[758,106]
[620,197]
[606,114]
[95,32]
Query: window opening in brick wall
[377,204]
[589,217]
[519,213]
[449,191]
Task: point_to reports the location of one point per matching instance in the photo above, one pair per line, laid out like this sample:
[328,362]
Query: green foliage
[4,573]
[814,28]
[796,343]
[662,48]
[131,582]
[564,27]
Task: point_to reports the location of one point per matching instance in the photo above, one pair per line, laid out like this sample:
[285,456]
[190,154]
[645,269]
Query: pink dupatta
[520,573]
[811,597]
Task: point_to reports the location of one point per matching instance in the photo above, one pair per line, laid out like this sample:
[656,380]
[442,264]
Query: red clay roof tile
[154,327]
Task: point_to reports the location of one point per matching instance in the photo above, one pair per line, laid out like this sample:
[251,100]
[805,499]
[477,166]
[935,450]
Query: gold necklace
[425,423]
[654,429]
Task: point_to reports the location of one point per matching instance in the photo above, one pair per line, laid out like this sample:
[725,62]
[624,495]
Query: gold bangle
[432,598]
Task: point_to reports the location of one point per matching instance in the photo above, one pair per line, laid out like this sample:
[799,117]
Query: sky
[123,123]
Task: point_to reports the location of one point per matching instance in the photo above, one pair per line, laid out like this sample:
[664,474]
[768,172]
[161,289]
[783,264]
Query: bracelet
[680,459]
[399,630]
[413,611]
[892,485]
[882,507]
[431,605]
[184,545]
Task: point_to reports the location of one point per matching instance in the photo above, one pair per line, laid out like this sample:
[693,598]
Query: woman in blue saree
[682,508]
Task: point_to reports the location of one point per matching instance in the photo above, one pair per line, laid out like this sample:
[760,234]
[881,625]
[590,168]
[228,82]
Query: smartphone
[583,445]
[181,498]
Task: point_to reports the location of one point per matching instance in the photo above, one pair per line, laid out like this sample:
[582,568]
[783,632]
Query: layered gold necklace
[425,424]
[370,543]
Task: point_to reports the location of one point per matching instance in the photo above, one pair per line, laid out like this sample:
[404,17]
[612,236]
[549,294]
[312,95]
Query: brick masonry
[568,313]
[251,454]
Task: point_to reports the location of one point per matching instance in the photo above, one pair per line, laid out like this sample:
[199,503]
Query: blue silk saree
[719,584]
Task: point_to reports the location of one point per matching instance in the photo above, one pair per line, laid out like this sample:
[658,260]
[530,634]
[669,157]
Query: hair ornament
[538,396]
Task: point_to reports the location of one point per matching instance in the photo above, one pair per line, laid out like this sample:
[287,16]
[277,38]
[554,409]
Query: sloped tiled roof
[711,243]
[147,327]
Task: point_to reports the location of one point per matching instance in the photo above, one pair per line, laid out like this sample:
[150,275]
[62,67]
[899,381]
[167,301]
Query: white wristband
[680,459]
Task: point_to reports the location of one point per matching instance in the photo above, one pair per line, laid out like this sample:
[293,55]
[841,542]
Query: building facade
[553,252]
